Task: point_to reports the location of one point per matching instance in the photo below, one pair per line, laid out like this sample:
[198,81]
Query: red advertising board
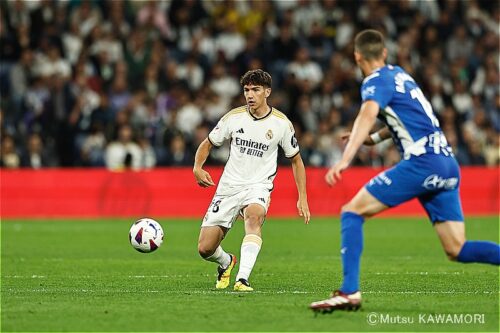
[172,192]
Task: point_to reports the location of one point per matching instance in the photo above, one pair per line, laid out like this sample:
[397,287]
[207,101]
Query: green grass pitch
[82,275]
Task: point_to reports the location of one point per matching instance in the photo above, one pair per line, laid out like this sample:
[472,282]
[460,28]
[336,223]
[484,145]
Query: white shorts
[224,209]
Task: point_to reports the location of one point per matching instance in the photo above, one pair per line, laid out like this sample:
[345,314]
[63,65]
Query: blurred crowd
[139,84]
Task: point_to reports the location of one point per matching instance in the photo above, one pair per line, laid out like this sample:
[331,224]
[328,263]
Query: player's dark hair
[257,77]
[370,43]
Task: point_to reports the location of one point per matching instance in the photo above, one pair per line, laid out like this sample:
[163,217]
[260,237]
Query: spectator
[52,64]
[167,67]
[137,55]
[310,155]
[119,95]
[123,153]
[282,50]
[492,148]
[308,119]
[86,16]
[223,84]
[9,157]
[305,15]
[148,160]
[230,42]
[177,154]
[459,45]
[192,73]
[304,73]
[152,17]
[320,48]
[188,115]
[20,76]
[34,156]
[72,42]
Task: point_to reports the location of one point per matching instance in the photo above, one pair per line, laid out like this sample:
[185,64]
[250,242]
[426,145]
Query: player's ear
[267,92]
[384,53]
[357,56]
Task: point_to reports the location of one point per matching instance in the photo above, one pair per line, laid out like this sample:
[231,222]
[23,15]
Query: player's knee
[452,252]
[254,221]
[350,207]
[205,251]
[357,209]
[451,256]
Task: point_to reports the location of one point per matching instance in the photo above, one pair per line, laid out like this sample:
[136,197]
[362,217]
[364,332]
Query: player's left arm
[362,125]
[377,137]
[299,173]
[372,139]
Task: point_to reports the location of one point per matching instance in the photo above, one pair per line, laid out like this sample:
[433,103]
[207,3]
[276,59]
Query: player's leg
[452,237]
[217,221]
[210,249]
[254,215]
[348,297]
[387,189]
[353,215]
[445,212]
[457,248]
[209,245]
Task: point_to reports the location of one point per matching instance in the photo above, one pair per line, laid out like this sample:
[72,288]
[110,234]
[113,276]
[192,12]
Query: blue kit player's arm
[362,125]
[379,136]
[376,89]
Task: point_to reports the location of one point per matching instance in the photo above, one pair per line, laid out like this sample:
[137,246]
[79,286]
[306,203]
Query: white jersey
[254,144]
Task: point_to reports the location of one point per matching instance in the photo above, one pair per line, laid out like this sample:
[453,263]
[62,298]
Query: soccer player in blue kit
[427,170]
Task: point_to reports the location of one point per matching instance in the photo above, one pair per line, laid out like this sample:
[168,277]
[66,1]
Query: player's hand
[303,209]
[203,178]
[334,173]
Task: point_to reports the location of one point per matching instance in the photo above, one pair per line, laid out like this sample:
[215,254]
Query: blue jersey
[427,170]
[406,112]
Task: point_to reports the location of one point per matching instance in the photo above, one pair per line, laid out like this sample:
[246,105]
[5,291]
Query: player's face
[256,95]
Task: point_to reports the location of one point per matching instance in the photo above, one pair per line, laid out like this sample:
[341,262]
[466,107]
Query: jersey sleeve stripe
[234,111]
[290,157]
[279,115]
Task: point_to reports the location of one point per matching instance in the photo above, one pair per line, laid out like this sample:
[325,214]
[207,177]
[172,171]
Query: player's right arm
[202,177]
[216,138]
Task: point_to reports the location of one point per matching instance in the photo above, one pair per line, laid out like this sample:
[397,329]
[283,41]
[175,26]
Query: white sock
[250,248]
[221,257]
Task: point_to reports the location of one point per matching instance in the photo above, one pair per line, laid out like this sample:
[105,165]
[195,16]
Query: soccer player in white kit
[255,131]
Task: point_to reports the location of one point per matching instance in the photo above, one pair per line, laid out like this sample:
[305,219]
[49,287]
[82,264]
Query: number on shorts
[215,206]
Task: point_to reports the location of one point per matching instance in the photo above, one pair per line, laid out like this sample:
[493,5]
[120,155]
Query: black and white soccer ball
[146,235]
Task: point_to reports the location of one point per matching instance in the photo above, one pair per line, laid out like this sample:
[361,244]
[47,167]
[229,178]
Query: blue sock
[480,251]
[352,246]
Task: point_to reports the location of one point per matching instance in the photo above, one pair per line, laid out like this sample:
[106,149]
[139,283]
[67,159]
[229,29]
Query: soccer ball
[146,235]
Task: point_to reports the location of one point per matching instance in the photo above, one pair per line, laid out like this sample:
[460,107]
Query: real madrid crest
[269,134]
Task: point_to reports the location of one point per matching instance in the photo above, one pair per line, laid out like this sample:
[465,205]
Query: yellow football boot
[225,274]
[242,285]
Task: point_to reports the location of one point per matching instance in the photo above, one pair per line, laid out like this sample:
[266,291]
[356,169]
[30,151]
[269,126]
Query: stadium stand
[140,83]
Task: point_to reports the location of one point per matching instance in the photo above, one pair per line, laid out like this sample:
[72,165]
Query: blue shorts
[433,179]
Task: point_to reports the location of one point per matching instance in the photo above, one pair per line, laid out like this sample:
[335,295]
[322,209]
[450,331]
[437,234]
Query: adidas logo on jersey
[262,199]
[241,131]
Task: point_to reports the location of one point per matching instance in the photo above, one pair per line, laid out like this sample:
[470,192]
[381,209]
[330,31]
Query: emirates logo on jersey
[269,135]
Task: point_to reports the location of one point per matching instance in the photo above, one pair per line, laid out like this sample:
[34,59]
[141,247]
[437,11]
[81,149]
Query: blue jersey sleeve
[377,88]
